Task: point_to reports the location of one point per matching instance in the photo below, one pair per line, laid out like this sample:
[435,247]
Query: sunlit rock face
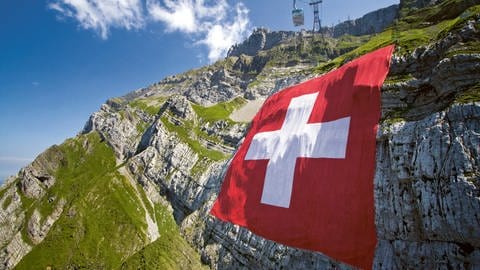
[170,145]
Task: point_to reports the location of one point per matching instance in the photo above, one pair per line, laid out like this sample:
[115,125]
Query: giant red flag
[304,175]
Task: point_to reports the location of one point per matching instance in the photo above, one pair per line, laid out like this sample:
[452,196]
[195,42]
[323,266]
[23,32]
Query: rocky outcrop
[373,22]
[427,191]
[14,252]
[167,162]
[37,177]
[260,39]
[38,227]
[180,107]
[427,181]
[377,21]
[121,130]
[418,4]
[230,134]
[33,183]
[216,86]
[12,217]
[434,79]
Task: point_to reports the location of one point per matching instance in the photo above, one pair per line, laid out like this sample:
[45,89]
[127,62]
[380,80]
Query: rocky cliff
[373,22]
[378,20]
[133,190]
[260,40]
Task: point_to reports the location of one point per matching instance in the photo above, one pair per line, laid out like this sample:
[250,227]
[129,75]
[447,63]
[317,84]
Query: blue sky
[61,59]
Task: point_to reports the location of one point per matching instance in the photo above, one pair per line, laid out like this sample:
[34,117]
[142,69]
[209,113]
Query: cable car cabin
[298,17]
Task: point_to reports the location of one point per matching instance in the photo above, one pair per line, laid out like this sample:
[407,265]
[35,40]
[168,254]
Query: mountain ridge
[156,157]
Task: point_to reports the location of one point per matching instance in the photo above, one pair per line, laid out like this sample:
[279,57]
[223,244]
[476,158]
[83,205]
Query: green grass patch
[254,83]
[446,10]
[122,115]
[4,190]
[258,80]
[146,202]
[26,201]
[471,47]
[141,127]
[187,134]
[220,111]
[46,205]
[349,42]
[149,105]
[169,251]
[392,120]
[6,187]
[469,96]
[398,78]
[200,166]
[7,202]
[409,33]
[103,221]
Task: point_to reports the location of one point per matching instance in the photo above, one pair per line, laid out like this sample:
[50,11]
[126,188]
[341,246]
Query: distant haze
[10,166]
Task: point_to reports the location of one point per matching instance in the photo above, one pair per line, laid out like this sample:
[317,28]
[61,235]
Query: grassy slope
[103,222]
[220,111]
[169,251]
[166,253]
[419,28]
[189,132]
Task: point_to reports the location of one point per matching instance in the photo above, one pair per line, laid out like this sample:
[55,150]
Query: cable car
[297,15]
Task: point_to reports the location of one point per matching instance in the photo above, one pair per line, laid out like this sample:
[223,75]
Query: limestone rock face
[214,87]
[434,79]
[426,184]
[427,203]
[417,4]
[180,106]
[37,176]
[373,22]
[427,181]
[269,86]
[427,190]
[167,163]
[11,219]
[14,252]
[36,229]
[231,134]
[34,181]
[120,131]
[260,39]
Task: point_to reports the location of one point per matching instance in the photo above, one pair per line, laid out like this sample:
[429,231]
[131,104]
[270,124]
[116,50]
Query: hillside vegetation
[134,189]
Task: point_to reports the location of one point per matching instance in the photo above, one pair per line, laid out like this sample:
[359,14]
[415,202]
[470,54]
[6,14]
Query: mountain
[134,188]
[370,23]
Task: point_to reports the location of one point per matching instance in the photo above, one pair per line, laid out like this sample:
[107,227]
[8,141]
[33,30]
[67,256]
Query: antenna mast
[316,15]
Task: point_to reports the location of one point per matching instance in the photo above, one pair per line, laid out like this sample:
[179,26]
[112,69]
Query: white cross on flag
[304,174]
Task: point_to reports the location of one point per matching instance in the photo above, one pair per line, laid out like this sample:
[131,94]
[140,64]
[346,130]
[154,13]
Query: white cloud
[223,35]
[177,16]
[211,23]
[101,15]
[189,16]
[215,25]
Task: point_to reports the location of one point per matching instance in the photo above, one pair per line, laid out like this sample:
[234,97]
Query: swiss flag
[304,175]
